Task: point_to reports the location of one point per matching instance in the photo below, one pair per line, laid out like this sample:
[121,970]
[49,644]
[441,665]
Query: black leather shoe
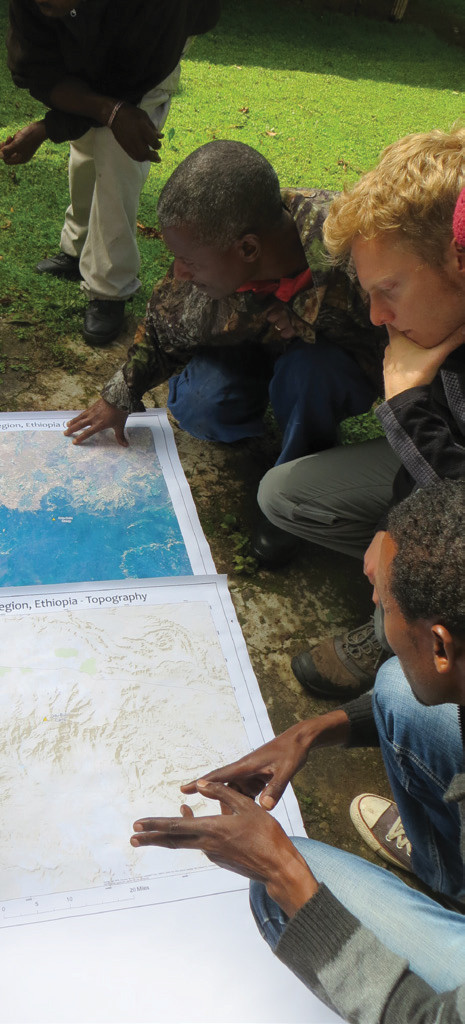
[271,546]
[61,265]
[103,320]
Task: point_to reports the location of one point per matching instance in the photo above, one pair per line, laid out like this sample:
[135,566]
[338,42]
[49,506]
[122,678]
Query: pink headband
[458,222]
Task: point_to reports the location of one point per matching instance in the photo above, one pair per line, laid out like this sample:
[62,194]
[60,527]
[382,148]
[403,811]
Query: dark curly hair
[223,190]
[428,570]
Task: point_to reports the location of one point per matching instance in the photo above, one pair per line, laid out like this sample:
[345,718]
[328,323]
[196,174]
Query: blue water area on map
[71,516]
[90,547]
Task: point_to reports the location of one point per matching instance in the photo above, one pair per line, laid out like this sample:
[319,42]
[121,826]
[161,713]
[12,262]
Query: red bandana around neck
[284,289]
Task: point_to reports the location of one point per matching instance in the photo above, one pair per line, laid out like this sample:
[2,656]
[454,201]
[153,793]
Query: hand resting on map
[269,769]
[99,416]
[243,838]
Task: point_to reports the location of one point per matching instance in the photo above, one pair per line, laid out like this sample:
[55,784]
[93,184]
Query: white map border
[212,590]
[156,420]
[198,960]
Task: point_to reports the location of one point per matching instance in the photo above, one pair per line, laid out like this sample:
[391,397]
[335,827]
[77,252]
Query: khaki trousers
[334,498]
[105,186]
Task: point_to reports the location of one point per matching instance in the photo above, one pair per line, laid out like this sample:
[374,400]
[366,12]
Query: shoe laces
[66,258]
[397,833]
[362,641]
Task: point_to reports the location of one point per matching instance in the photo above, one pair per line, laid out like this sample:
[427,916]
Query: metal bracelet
[114,112]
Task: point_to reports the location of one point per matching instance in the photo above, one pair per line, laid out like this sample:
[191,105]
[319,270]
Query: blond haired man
[395,225]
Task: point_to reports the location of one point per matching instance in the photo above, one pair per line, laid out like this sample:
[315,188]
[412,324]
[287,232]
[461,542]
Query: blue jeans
[222,394]
[422,751]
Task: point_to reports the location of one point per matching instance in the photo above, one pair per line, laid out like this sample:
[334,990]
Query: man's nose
[181,272]
[380,312]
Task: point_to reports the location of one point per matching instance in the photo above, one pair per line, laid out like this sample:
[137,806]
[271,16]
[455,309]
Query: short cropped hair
[428,570]
[412,191]
[223,191]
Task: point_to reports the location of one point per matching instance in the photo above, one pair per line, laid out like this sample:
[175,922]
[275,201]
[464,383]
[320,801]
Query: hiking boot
[103,320]
[378,822]
[342,666]
[61,265]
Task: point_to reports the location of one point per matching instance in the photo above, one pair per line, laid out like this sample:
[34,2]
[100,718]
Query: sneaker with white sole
[378,821]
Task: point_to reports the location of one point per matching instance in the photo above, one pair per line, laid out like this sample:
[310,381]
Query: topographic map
[104,713]
[96,512]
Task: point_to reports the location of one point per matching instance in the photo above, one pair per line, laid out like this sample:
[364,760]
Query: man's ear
[457,256]
[248,248]
[444,652]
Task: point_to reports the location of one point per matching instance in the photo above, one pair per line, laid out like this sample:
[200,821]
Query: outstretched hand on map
[99,416]
[269,769]
[244,839]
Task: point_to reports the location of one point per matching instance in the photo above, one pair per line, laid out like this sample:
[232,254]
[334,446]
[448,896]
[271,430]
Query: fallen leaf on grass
[243,110]
[347,166]
[271,133]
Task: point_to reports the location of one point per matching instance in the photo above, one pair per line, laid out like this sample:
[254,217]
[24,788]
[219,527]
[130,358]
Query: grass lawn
[320,96]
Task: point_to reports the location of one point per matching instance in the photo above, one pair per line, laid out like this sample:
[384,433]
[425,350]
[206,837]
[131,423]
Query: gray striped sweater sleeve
[350,970]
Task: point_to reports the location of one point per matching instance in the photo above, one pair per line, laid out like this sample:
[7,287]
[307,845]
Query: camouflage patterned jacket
[181,320]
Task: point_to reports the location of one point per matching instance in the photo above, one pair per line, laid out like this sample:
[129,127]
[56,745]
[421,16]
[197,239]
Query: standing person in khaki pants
[106,70]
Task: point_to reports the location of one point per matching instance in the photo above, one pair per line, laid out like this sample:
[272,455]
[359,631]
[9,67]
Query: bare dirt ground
[280,613]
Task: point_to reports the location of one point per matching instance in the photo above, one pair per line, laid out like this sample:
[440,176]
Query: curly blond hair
[412,190]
